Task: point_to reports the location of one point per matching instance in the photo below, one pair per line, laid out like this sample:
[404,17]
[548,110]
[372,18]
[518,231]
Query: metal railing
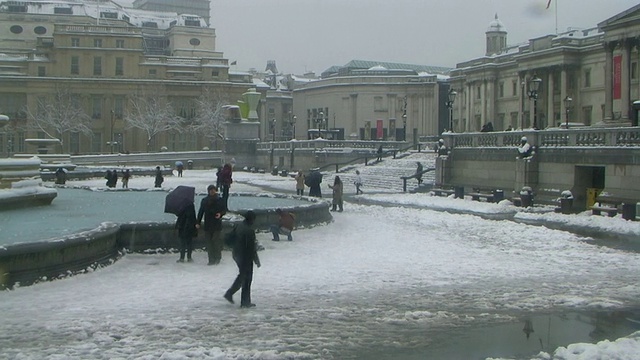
[583,137]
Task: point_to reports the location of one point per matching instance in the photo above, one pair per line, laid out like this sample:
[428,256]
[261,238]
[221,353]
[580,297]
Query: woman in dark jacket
[186,225]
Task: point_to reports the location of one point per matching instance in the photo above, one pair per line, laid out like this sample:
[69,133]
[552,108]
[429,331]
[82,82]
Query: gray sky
[312,35]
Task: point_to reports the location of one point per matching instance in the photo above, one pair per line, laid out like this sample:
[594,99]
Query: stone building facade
[371,100]
[103,55]
[588,77]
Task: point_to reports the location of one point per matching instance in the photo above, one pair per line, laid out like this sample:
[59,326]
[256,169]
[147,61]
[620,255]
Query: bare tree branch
[210,115]
[153,114]
[60,114]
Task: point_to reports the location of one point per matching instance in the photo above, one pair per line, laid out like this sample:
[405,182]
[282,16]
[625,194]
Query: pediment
[627,18]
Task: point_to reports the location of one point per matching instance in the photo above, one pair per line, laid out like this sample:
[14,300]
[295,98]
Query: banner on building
[379,129]
[617,77]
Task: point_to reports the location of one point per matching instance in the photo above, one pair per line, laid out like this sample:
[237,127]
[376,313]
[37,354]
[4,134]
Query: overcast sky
[312,35]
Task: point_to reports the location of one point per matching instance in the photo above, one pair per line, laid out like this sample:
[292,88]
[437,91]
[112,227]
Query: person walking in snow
[358,183]
[186,225]
[379,152]
[419,170]
[159,178]
[212,209]
[300,183]
[337,194]
[313,181]
[226,181]
[126,175]
[245,254]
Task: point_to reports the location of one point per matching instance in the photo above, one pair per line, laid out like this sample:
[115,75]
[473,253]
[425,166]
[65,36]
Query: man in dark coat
[186,225]
[159,178]
[212,208]
[225,181]
[313,181]
[245,253]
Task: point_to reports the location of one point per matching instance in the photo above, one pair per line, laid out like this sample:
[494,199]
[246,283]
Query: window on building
[40,30]
[96,107]
[587,78]
[96,143]
[634,70]
[118,107]
[514,87]
[587,112]
[75,65]
[16,29]
[74,142]
[501,89]
[215,73]
[378,104]
[41,71]
[108,15]
[478,93]
[120,43]
[97,43]
[119,66]
[153,72]
[63,10]
[513,119]
[75,42]
[97,65]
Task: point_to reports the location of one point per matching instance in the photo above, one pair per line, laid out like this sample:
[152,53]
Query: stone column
[469,106]
[625,81]
[550,118]
[353,104]
[490,100]
[483,104]
[608,81]
[563,94]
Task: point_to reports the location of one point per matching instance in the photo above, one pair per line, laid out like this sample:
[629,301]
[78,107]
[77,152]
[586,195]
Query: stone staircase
[385,176]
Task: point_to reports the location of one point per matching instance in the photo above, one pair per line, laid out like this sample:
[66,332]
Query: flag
[548,4]
[234,62]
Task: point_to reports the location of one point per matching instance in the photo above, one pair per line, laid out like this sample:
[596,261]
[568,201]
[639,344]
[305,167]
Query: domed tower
[496,37]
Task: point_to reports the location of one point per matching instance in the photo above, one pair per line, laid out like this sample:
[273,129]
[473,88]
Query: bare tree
[210,116]
[60,114]
[153,114]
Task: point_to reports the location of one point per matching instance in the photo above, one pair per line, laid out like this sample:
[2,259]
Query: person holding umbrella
[212,209]
[180,202]
[179,167]
[313,181]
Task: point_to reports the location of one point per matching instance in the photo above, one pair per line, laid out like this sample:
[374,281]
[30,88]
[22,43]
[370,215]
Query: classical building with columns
[586,76]
[371,100]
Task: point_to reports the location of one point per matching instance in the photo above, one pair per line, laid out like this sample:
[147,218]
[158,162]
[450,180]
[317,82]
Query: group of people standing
[112,178]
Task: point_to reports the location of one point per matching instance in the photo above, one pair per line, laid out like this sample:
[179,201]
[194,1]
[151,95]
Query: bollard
[498,195]
[458,192]
[629,211]
[566,205]
[190,164]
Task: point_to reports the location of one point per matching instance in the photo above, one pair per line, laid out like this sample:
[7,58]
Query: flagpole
[556,8]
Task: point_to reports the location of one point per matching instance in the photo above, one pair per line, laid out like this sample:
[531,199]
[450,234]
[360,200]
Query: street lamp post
[451,99]
[111,142]
[273,129]
[533,94]
[404,119]
[567,106]
[293,126]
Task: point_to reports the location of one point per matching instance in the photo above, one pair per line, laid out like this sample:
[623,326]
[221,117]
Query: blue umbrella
[179,163]
[178,199]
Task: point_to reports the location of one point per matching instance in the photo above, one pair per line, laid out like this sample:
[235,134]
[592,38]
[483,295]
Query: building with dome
[373,100]
[585,77]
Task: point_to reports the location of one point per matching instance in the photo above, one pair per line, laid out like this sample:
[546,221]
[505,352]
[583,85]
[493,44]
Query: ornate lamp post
[273,129]
[534,86]
[567,106]
[451,98]
[404,120]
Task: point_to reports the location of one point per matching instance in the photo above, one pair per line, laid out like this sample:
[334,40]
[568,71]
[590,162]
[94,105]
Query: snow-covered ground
[380,282]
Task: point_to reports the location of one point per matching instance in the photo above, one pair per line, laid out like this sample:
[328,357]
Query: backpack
[231,238]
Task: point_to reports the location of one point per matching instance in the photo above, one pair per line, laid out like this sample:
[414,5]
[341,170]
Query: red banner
[617,76]
[380,129]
